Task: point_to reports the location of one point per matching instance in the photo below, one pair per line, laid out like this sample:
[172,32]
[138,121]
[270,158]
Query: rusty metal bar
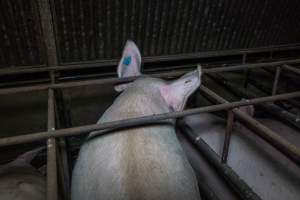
[160,75]
[229,126]
[238,184]
[52,190]
[268,106]
[276,80]
[264,132]
[25,138]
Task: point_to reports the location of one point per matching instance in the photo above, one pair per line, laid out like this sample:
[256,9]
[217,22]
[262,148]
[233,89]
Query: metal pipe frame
[27,138]
[108,63]
[52,66]
[238,184]
[160,75]
[52,189]
[50,46]
[264,132]
[262,88]
[271,108]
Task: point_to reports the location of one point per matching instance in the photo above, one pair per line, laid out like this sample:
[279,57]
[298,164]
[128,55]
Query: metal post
[229,126]
[276,80]
[242,189]
[61,152]
[51,151]
[63,160]
[264,132]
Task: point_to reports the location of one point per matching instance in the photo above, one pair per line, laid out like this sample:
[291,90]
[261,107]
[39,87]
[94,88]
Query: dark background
[88,30]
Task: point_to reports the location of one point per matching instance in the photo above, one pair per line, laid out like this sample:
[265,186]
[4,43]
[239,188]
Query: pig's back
[137,163]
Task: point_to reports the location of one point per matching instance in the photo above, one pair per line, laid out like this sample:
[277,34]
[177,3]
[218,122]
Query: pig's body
[268,172]
[21,181]
[137,163]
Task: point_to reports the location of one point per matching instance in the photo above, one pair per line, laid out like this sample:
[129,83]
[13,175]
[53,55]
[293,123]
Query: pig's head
[173,93]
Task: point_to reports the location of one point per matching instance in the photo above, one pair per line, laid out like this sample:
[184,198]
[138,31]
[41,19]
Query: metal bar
[264,132]
[265,89]
[80,130]
[268,106]
[108,63]
[63,161]
[160,75]
[230,120]
[50,46]
[289,78]
[238,184]
[276,80]
[51,151]
[48,33]
[292,69]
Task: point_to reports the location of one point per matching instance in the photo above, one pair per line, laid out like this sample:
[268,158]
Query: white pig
[19,180]
[144,162]
[267,171]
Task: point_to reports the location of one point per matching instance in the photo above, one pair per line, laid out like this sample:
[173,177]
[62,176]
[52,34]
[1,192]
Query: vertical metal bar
[51,151]
[48,32]
[51,52]
[246,72]
[276,79]
[63,161]
[230,120]
[61,153]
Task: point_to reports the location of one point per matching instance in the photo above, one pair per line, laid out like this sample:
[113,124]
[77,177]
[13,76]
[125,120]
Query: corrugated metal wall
[98,29]
[20,34]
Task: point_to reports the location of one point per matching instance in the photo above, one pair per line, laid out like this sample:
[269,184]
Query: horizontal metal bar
[264,132]
[160,75]
[264,89]
[238,184]
[189,56]
[271,108]
[25,138]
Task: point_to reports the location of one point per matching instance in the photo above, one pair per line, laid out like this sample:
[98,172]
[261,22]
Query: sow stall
[63,127]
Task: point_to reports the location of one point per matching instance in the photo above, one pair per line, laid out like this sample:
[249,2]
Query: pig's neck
[129,105]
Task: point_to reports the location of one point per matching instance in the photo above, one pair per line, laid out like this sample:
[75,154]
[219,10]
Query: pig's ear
[177,92]
[130,63]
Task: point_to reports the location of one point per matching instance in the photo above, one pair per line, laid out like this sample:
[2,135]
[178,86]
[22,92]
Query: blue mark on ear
[127,60]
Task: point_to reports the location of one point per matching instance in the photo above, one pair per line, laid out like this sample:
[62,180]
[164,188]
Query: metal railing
[281,144]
